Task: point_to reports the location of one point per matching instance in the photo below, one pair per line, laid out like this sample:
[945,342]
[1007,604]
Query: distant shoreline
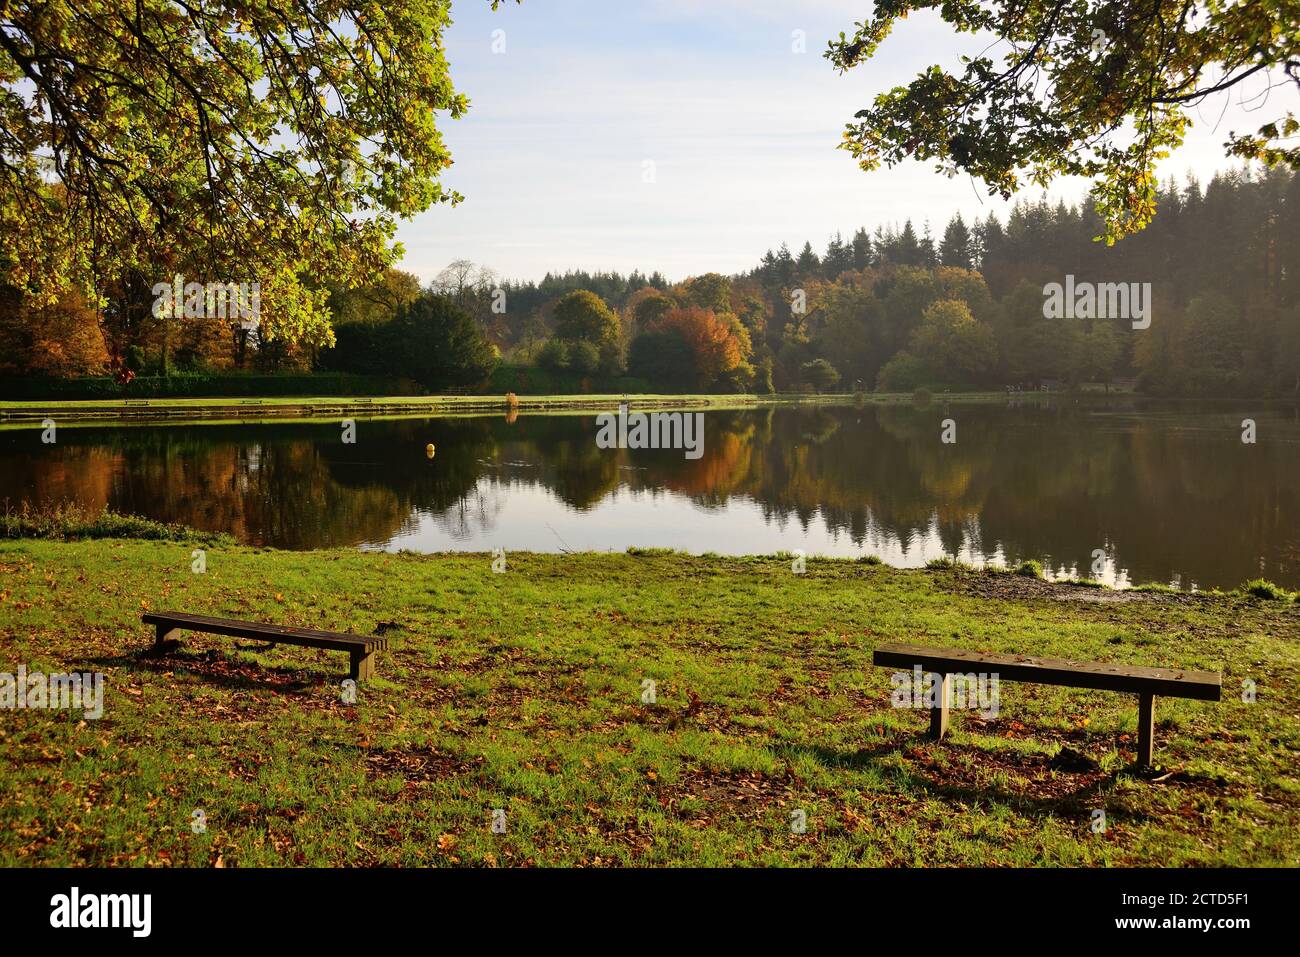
[30,413]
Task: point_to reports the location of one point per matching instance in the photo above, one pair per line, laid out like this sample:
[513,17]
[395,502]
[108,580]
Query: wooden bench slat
[285,634]
[1165,682]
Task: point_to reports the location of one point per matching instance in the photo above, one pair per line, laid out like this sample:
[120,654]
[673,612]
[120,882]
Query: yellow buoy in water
[428,450]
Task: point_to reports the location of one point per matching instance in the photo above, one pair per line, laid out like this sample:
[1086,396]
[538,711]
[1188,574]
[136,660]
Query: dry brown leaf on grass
[853,819]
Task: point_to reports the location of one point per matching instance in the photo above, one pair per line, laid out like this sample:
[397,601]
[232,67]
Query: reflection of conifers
[1210,486]
[389,468]
[563,457]
[885,470]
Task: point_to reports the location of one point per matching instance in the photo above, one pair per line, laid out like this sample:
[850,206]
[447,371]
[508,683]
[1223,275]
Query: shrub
[206,385]
[554,355]
[610,360]
[819,374]
[737,380]
[704,346]
[936,564]
[663,358]
[70,520]
[428,339]
[584,358]
[135,359]
[1263,588]
[438,345]
[1030,569]
[533,380]
[903,373]
[1160,588]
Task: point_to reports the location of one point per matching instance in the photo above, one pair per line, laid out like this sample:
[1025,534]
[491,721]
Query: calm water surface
[1170,494]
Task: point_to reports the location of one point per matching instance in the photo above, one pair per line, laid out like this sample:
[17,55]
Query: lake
[1169,493]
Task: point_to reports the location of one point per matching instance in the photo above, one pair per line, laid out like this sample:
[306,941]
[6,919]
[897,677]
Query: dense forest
[894,309]
[901,308]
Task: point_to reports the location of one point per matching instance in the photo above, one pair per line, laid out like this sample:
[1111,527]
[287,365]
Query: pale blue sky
[741,129]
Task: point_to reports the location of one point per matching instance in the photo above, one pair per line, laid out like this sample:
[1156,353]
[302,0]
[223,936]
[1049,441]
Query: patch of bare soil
[1079,737]
[625,832]
[732,794]
[1010,587]
[216,667]
[1101,596]
[418,765]
[1032,777]
[696,714]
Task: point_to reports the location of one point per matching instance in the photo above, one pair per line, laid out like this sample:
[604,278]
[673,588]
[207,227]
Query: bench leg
[1146,729]
[162,635]
[363,665]
[939,713]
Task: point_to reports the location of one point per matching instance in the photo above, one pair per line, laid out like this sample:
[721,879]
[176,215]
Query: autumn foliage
[60,339]
[713,345]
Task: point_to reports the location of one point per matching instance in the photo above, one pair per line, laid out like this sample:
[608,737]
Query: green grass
[450,401]
[70,521]
[243,408]
[1263,588]
[29,413]
[522,691]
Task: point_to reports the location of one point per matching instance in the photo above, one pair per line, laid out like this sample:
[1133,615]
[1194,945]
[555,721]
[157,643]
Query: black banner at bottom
[335,906]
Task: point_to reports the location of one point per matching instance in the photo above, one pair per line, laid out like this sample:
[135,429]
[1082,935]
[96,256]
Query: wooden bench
[361,649]
[1146,683]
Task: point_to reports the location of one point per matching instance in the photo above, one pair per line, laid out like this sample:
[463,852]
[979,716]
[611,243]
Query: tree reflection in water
[1169,493]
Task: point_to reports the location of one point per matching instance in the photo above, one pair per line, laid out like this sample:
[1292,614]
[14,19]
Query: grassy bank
[29,414]
[522,691]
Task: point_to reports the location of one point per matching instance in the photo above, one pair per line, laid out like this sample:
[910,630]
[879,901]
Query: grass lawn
[28,414]
[522,691]
[449,401]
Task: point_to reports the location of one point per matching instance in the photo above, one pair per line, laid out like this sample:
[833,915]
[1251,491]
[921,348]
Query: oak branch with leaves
[268,140]
[1096,89]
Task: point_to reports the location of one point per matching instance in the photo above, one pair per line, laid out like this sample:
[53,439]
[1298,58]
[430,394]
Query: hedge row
[205,385]
[531,380]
